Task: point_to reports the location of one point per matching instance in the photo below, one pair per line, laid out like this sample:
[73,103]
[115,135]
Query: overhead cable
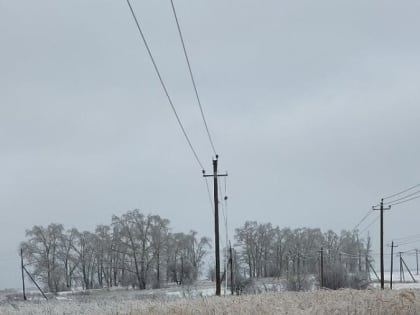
[401,192]
[402,198]
[209,194]
[192,77]
[406,200]
[370,224]
[363,219]
[404,238]
[163,85]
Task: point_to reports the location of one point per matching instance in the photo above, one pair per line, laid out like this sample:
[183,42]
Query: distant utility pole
[392,260]
[322,267]
[408,269]
[23,275]
[382,238]
[231,269]
[401,270]
[417,260]
[216,222]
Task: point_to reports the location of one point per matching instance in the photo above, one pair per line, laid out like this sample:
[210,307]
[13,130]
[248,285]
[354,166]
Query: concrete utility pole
[216,222]
[382,238]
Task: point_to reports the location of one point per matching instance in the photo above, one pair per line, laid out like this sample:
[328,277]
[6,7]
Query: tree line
[265,250]
[135,250]
[141,251]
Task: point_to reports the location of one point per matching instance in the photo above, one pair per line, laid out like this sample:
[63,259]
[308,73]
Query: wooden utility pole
[33,280]
[401,270]
[216,222]
[409,271]
[382,239]
[322,267]
[374,271]
[231,269]
[417,261]
[392,260]
[23,275]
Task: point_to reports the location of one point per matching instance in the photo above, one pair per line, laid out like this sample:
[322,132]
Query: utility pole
[417,261]
[392,260]
[216,222]
[382,238]
[406,267]
[231,269]
[401,270]
[322,267]
[23,276]
[33,280]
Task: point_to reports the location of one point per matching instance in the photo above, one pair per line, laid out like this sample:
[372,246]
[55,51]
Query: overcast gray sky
[313,107]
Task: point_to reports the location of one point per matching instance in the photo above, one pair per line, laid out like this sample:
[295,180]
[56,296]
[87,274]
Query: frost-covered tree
[41,252]
[185,256]
[267,251]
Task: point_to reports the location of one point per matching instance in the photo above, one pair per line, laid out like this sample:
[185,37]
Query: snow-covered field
[194,300]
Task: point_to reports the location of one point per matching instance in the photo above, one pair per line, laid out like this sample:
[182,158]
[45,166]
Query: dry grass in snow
[315,302]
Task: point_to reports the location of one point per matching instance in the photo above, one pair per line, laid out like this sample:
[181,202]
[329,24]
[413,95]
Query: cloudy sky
[314,108]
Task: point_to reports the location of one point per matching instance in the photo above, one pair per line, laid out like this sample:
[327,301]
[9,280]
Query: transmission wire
[192,77]
[370,224]
[163,84]
[401,192]
[406,200]
[209,194]
[404,238]
[404,197]
[363,219]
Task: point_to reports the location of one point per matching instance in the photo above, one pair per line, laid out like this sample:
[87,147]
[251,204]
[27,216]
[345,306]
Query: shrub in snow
[337,277]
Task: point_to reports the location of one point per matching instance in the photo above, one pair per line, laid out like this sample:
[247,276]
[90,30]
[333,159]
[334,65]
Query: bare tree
[41,252]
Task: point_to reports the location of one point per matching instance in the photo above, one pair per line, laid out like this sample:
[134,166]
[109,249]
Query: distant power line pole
[216,222]
[417,261]
[392,260]
[23,275]
[401,269]
[231,269]
[381,208]
[322,268]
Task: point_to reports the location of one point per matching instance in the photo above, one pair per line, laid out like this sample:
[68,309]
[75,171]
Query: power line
[404,238]
[408,241]
[209,194]
[401,192]
[192,76]
[406,200]
[370,224]
[402,198]
[163,84]
[363,219]
[221,202]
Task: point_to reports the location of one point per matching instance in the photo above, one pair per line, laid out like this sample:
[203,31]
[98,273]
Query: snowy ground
[396,284]
[198,299]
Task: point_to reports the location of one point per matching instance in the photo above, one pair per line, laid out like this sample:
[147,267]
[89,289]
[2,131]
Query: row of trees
[269,251]
[141,251]
[135,249]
